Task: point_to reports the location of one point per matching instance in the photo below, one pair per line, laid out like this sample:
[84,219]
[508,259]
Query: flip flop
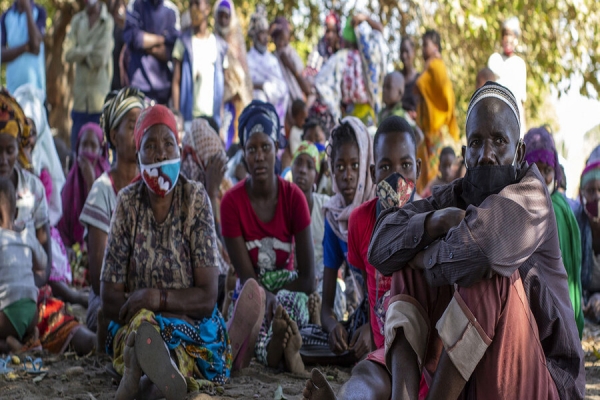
[37,366]
[245,322]
[155,361]
[3,366]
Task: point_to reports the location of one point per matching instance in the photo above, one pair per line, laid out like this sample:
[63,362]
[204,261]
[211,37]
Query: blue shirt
[28,67]
[159,17]
[335,250]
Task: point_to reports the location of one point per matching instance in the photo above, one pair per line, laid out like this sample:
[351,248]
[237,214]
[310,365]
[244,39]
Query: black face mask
[485,180]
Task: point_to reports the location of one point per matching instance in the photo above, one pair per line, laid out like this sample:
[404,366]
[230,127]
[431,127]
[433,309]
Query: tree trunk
[59,74]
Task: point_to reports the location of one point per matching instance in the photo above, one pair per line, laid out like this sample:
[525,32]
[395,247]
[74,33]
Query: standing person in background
[484,75]
[328,45]
[509,67]
[22,28]
[265,71]
[151,29]
[237,92]
[291,65]
[89,46]
[436,108]
[540,150]
[116,8]
[198,68]
[410,97]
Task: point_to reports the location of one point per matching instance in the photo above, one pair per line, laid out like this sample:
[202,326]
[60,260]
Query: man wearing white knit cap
[479,302]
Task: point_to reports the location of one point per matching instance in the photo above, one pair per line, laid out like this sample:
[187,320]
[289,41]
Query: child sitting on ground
[445,168]
[22,266]
[393,91]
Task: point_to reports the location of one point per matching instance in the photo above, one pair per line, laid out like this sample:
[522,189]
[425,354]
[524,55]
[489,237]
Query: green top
[570,248]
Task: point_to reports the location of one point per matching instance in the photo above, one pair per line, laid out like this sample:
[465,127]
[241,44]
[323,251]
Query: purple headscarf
[540,147]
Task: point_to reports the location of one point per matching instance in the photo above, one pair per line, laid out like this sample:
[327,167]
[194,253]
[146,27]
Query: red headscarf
[155,115]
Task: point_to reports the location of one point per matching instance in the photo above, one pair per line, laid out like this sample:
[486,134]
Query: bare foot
[129,386]
[317,387]
[292,342]
[314,308]
[279,325]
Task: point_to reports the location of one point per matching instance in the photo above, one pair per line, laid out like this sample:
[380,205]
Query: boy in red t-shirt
[395,172]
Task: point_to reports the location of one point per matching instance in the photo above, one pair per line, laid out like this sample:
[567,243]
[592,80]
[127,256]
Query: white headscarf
[44,154]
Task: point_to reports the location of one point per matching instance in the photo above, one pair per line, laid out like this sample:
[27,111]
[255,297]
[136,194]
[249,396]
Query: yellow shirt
[91,52]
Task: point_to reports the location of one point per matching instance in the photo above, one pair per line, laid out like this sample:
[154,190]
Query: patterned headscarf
[151,116]
[311,150]
[591,171]
[12,122]
[118,106]
[495,90]
[540,147]
[258,21]
[199,145]
[513,25]
[333,17]
[336,210]
[259,116]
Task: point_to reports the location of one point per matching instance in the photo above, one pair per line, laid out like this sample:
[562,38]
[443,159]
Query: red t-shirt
[270,244]
[360,228]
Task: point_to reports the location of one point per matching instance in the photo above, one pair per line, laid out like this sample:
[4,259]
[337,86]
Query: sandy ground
[70,377]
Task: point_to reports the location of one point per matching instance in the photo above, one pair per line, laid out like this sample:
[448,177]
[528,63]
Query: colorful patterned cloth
[201,346]
[56,325]
[311,150]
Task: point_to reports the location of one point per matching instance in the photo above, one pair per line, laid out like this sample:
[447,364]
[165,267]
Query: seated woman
[540,150]
[119,115]
[159,277]
[204,160]
[263,219]
[305,173]
[587,214]
[91,161]
[56,327]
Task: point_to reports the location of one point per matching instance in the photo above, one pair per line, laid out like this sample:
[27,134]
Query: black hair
[212,122]
[340,135]
[297,107]
[394,124]
[487,74]
[8,194]
[309,124]
[447,151]
[409,40]
[434,37]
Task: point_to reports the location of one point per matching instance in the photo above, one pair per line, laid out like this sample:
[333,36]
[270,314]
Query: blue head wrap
[259,116]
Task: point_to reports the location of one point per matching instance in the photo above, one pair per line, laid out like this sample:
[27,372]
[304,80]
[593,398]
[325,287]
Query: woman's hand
[338,339]
[141,298]
[361,341]
[215,171]
[87,170]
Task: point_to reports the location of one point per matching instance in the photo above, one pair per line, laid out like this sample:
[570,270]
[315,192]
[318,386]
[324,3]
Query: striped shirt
[514,229]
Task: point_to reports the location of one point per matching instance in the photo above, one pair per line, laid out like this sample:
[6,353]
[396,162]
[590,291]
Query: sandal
[37,366]
[155,361]
[3,366]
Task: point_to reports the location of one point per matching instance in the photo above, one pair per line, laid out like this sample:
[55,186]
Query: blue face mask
[161,177]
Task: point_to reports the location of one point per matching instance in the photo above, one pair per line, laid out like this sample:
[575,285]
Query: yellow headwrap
[12,122]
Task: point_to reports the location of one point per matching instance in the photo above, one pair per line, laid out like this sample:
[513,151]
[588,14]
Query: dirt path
[69,377]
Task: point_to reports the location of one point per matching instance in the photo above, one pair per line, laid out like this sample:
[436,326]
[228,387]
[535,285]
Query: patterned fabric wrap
[199,146]
[275,280]
[540,147]
[373,51]
[201,346]
[258,21]
[55,324]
